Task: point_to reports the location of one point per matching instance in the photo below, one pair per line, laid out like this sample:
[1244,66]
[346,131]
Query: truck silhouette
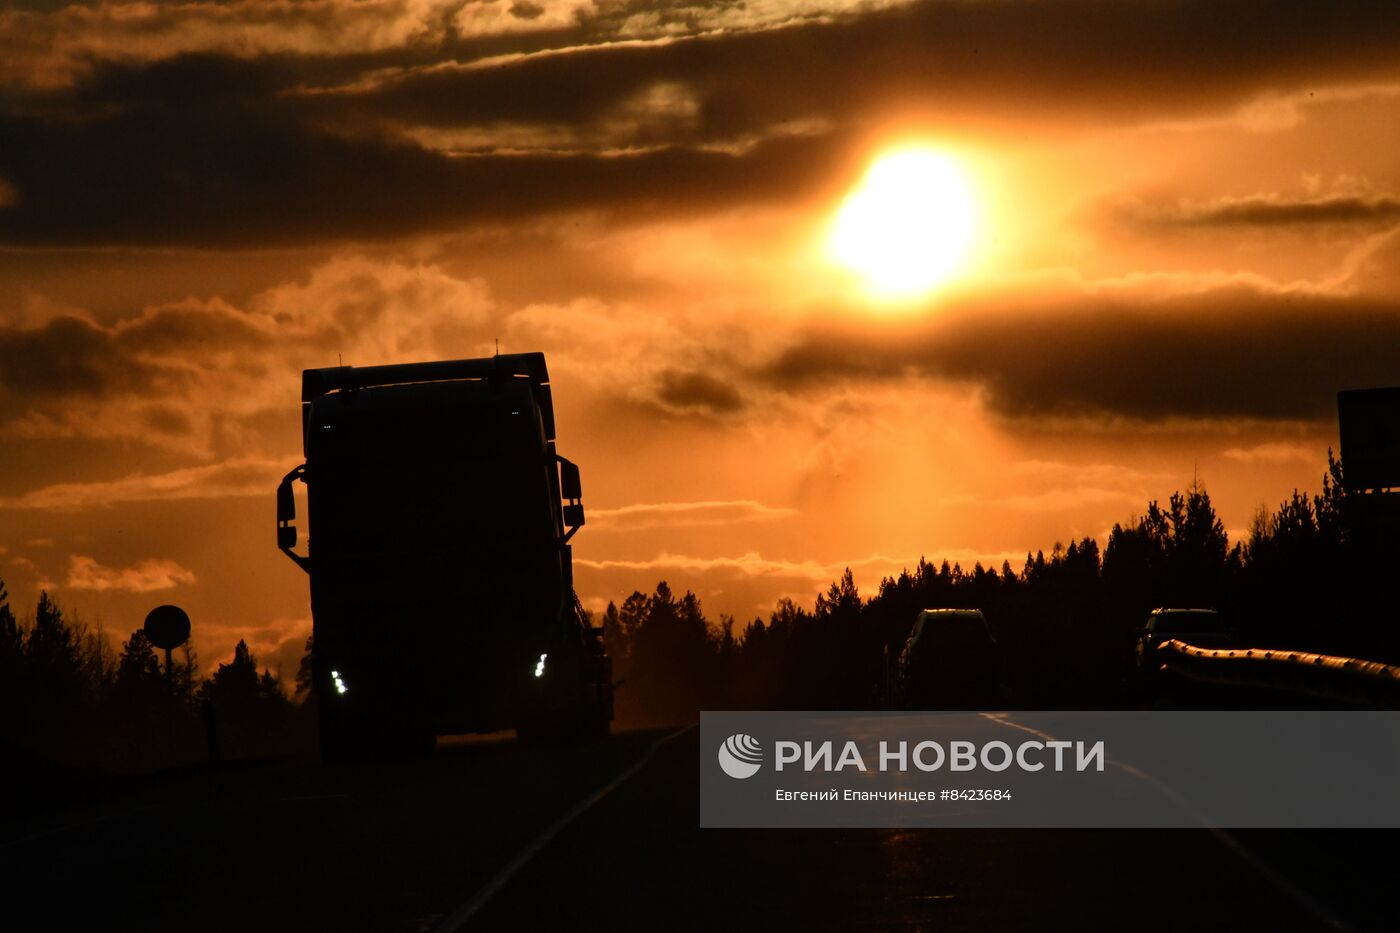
[440,567]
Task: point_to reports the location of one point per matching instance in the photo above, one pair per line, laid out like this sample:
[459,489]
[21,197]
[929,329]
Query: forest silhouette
[1308,575]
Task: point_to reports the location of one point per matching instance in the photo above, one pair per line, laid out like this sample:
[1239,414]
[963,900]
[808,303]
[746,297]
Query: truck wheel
[594,721]
[601,726]
[339,741]
[534,729]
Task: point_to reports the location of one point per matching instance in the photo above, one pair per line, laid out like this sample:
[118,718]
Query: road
[509,837]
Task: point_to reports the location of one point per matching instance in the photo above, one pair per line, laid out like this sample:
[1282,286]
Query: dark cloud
[523,9]
[190,328]
[67,356]
[1080,56]
[696,390]
[151,355]
[227,167]
[218,151]
[1272,210]
[168,420]
[1232,354]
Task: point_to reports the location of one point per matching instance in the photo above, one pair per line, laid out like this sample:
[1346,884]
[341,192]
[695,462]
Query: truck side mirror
[570,485]
[570,490]
[286,514]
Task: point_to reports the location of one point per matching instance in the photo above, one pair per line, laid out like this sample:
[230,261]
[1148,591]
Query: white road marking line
[1266,871]
[466,911]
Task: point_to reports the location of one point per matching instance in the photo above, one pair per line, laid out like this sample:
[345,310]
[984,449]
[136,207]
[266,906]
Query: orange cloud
[232,478]
[148,576]
[1273,452]
[632,517]
[186,375]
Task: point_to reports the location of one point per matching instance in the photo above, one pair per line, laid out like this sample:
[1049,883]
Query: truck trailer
[441,573]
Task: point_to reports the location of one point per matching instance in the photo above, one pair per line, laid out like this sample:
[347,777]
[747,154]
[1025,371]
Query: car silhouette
[950,661]
[1203,628]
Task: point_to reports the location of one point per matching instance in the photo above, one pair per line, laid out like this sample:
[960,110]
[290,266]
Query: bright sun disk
[909,225]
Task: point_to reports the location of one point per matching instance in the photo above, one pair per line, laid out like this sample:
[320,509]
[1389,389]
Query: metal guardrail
[1349,681]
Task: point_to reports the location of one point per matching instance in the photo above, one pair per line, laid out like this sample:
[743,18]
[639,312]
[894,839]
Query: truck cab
[439,560]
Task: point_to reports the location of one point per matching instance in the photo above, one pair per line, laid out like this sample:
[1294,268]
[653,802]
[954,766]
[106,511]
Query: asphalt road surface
[488,835]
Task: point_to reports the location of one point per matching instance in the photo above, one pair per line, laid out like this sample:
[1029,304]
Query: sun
[909,225]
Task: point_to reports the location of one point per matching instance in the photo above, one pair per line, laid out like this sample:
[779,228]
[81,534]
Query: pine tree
[51,653]
[615,640]
[12,668]
[11,639]
[140,683]
[234,686]
[187,675]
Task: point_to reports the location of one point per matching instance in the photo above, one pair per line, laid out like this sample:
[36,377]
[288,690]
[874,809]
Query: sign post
[168,627]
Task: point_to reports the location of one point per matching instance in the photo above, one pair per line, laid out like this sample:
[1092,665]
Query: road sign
[167,627]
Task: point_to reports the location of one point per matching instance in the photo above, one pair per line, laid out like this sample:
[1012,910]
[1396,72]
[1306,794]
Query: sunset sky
[819,283]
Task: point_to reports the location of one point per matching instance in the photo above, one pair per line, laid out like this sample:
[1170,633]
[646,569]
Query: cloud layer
[268,122]
[1227,353]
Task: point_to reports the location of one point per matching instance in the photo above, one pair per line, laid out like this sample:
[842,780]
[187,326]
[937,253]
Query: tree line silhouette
[70,701]
[1309,574]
